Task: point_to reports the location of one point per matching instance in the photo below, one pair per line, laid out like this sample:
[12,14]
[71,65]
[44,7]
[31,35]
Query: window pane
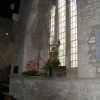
[52,26]
[73,33]
[62,30]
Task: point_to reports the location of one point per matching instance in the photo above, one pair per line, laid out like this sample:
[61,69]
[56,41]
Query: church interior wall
[31,31]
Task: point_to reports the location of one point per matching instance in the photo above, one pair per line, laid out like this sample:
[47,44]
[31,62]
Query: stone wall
[88,23]
[39,88]
[31,39]
[19,29]
[37,33]
[31,33]
[5,49]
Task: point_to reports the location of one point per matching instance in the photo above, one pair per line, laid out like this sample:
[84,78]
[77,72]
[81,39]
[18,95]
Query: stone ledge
[56,78]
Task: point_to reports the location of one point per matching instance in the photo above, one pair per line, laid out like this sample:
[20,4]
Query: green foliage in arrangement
[53,62]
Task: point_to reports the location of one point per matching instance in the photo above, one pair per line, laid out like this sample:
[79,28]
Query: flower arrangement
[52,63]
[30,73]
[30,65]
[31,69]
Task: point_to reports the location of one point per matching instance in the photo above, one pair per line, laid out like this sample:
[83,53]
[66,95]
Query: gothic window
[58,29]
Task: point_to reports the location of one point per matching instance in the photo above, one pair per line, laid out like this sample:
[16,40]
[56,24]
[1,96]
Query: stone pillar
[31,34]
[19,33]
[37,34]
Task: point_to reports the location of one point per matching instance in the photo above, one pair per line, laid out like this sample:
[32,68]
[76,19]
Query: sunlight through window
[62,30]
[73,33]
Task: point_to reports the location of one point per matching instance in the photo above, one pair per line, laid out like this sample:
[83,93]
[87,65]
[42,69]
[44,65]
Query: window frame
[68,36]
